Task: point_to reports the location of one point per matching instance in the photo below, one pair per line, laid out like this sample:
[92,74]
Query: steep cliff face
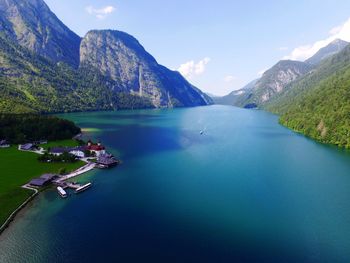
[275,79]
[31,83]
[32,25]
[274,82]
[113,72]
[121,57]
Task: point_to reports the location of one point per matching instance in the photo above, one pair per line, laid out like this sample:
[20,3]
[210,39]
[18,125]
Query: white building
[78,153]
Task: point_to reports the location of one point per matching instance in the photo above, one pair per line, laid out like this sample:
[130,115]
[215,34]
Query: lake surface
[247,190]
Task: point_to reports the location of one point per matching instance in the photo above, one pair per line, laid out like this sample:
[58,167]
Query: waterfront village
[94,155]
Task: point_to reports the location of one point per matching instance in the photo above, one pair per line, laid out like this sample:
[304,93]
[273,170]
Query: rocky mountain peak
[331,49]
[32,25]
[121,57]
[110,62]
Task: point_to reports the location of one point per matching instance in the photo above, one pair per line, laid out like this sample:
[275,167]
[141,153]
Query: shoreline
[82,170]
[13,215]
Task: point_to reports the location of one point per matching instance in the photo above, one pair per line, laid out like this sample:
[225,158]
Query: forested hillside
[318,105]
[20,128]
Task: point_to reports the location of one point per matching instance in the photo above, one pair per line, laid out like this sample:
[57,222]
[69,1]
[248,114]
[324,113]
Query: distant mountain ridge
[234,96]
[331,49]
[312,97]
[276,79]
[42,69]
[272,82]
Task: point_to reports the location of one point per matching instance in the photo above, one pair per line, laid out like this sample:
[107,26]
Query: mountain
[31,83]
[318,104]
[32,25]
[333,48]
[273,82]
[122,58]
[278,78]
[236,95]
[41,69]
[211,95]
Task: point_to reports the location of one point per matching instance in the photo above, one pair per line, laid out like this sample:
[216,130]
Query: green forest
[21,128]
[318,104]
[324,114]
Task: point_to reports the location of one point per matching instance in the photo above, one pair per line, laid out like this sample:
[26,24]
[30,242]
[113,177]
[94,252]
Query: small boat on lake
[62,192]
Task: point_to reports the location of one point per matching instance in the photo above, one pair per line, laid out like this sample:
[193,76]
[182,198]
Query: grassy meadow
[18,168]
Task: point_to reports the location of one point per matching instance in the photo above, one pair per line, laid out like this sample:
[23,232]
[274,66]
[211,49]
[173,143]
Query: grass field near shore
[63,143]
[17,169]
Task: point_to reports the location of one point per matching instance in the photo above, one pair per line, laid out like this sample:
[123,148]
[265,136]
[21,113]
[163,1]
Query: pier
[84,169]
[96,158]
[62,183]
[78,188]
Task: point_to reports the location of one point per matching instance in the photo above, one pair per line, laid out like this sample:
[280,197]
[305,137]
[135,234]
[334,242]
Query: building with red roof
[98,149]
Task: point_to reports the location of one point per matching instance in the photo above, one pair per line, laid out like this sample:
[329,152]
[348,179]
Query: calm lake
[246,190]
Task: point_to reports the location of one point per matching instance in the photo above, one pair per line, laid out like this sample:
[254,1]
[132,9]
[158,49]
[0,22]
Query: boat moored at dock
[62,192]
[83,188]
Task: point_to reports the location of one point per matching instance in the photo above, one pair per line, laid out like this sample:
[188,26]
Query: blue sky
[218,45]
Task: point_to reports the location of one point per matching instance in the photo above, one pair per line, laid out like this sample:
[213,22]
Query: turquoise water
[247,190]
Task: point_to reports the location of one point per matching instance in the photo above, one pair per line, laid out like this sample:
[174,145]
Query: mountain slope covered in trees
[318,105]
[311,97]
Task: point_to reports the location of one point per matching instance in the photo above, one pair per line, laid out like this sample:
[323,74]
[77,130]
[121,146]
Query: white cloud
[100,13]
[191,68]
[306,51]
[229,78]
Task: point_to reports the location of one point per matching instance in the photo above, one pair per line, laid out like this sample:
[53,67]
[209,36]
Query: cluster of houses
[98,151]
[81,151]
[103,158]
[90,150]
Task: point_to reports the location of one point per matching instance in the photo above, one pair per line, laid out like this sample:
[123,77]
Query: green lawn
[68,143]
[18,168]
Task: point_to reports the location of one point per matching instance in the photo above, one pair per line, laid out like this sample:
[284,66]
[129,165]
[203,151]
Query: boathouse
[107,161]
[43,180]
